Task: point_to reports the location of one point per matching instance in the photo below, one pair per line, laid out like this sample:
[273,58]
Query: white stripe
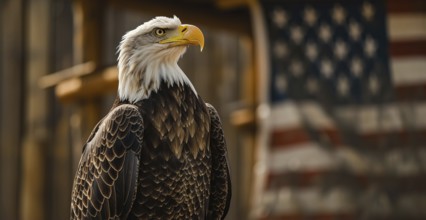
[310,157]
[415,113]
[366,119]
[291,115]
[408,70]
[315,116]
[285,115]
[306,156]
[310,200]
[396,161]
[373,119]
[407,26]
[387,118]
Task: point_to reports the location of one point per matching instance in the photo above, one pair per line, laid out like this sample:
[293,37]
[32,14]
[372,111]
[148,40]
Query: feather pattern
[107,174]
[220,188]
[160,158]
[176,161]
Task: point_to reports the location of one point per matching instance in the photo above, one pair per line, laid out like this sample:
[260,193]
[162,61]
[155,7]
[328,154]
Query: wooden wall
[35,174]
[11,115]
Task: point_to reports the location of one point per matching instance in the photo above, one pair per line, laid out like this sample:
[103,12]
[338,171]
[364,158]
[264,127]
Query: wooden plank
[88,87]
[88,38]
[59,172]
[243,118]
[60,169]
[203,13]
[36,142]
[75,71]
[11,86]
[88,31]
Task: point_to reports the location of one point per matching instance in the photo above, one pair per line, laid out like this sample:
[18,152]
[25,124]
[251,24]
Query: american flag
[328,50]
[346,128]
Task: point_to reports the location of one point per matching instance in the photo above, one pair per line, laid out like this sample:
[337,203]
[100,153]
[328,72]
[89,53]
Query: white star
[357,66]
[279,17]
[340,49]
[281,83]
[296,68]
[343,86]
[310,16]
[326,68]
[296,34]
[374,84]
[339,14]
[355,30]
[368,11]
[370,46]
[280,49]
[325,33]
[312,85]
[311,51]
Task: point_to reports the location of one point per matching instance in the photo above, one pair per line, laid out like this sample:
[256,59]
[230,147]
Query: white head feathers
[143,62]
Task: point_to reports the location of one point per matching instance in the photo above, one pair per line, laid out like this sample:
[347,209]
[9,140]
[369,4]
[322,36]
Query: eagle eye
[159,32]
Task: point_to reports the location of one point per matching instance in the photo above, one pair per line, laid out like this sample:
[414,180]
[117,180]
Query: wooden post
[87,47]
[36,141]
[11,86]
[88,31]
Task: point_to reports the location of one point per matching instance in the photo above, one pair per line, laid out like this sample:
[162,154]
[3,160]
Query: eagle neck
[137,82]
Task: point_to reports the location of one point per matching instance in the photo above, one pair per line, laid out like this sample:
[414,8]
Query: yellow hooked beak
[186,34]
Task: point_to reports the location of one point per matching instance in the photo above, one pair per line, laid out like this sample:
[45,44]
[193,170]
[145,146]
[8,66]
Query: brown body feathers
[163,157]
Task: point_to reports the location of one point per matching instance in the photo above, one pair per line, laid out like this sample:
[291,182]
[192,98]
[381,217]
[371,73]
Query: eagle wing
[220,186]
[106,180]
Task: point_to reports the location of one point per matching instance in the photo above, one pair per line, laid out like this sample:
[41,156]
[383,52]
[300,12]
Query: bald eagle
[160,152]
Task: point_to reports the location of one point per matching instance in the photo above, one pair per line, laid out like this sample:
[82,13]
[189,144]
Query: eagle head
[149,54]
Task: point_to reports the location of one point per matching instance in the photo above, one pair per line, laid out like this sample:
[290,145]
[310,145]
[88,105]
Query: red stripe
[286,137]
[408,48]
[394,138]
[300,179]
[411,92]
[406,6]
[289,138]
[412,183]
[282,138]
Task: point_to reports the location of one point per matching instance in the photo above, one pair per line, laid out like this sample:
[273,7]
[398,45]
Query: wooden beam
[235,21]
[243,118]
[88,38]
[60,76]
[88,87]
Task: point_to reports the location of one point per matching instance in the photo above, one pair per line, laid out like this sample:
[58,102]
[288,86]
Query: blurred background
[322,101]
